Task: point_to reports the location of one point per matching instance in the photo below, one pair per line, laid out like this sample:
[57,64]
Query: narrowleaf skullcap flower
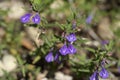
[94,76]
[49,57]
[74,24]
[57,59]
[36,18]
[103,63]
[89,19]
[104,73]
[71,37]
[64,50]
[119,69]
[104,42]
[25,18]
[72,49]
[56,56]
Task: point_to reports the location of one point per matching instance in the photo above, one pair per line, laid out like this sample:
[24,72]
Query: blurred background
[23,47]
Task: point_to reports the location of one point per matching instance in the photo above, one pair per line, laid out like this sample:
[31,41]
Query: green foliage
[54,28]
[40,5]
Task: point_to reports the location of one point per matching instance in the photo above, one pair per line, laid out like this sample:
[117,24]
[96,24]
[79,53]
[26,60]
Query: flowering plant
[70,38]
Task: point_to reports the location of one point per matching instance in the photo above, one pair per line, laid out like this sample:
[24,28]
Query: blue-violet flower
[94,76]
[104,42]
[64,50]
[72,49]
[119,69]
[89,19]
[71,37]
[57,56]
[57,59]
[49,57]
[104,73]
[25,18]
[36,18]
[74,24]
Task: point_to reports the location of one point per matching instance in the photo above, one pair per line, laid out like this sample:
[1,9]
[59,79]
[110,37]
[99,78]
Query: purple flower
[36,19]
[104,42]
[94,76]
[64,50]
[57,56]
[72,49]
[89,19]
[103,63]
[74,24]
[119,69]
[25,18]
[71,37]
[104,73]
[49,57]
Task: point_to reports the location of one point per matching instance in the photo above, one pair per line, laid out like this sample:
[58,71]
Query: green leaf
[36,59]
[23,71]
[90,49]
[36,1]
[83,70]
